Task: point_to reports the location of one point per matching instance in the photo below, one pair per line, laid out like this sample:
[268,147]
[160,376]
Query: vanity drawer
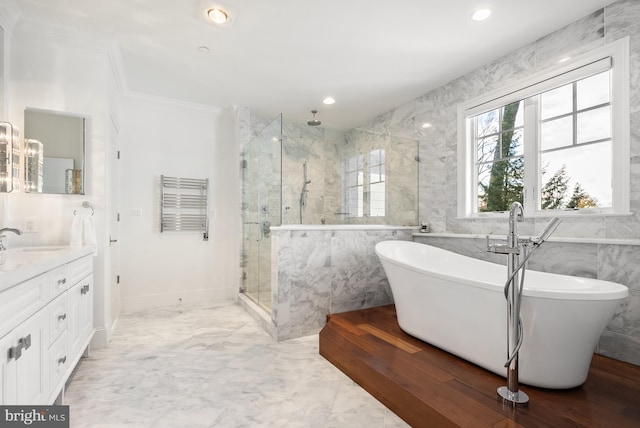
[79,269]
[58,360]
[58,313]
[58,281]
[21,301]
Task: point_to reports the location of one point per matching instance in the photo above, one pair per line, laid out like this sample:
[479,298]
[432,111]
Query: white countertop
[21,264]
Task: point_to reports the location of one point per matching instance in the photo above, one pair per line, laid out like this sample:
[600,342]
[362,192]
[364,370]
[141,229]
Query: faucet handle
[501,249]
[492,247]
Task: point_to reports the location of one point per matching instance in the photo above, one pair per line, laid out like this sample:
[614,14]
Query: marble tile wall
[318,272]
[438,167]
[323,150]
[437,188]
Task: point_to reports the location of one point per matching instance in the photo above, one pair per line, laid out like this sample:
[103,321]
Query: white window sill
[562,214]
[551,239]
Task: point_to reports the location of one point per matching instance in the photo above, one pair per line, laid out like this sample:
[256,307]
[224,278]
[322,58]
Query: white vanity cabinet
[46,323]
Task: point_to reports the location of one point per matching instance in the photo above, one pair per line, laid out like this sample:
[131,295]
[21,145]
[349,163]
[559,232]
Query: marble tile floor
[213,366]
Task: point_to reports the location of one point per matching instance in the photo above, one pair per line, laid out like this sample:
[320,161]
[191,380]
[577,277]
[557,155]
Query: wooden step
[428,387]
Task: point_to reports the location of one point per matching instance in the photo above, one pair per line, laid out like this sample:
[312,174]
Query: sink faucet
[2,236]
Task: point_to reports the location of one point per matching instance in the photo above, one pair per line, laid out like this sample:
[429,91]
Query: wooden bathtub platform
[428,387]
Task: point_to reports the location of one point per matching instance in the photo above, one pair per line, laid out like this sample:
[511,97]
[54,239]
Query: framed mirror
[56,161]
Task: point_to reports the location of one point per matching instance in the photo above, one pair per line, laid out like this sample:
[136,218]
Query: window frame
[359,186]
[614,56]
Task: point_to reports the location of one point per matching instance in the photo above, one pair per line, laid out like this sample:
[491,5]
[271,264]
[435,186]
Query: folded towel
[89,234]
[76,232]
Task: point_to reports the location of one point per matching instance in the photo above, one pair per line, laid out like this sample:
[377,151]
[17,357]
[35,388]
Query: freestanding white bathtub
[457,303]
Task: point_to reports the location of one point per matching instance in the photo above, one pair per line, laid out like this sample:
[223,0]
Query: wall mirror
[54,152]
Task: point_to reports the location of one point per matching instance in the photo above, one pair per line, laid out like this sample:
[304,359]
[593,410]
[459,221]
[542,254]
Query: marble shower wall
[324,151]
[401,174]
[613,252]
[322,271]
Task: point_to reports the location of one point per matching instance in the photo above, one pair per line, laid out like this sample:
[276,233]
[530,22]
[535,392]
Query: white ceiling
[287,55]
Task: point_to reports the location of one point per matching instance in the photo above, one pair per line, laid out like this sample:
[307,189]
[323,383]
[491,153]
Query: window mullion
[574,88]
[531,154]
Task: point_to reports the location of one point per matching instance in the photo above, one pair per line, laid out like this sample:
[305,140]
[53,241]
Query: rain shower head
[314,121]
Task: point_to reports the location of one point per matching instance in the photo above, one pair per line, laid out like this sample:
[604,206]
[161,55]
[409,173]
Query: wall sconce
[33,165]
[9,157]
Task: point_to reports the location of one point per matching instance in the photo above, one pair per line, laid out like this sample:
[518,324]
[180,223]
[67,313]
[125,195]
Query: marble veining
[212,366]
[576,38]
[317,272]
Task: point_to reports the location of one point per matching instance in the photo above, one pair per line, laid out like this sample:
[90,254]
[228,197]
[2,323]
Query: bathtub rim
[614,291]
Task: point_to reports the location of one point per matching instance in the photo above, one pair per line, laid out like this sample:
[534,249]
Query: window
[558,143]
[376,183]
[498,136]
[354,186]
[364,184]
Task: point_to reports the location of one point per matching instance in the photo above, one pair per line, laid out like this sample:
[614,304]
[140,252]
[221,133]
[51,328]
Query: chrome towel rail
[184,205]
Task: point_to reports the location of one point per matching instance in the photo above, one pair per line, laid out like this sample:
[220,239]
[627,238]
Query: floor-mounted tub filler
[457,303]
[514,247]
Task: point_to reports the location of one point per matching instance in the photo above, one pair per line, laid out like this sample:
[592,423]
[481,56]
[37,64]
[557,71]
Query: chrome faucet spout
[516,214]
[2,236]
[11,229]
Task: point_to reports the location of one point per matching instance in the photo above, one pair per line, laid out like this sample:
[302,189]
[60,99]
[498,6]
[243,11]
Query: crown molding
[173,102]
[39,30]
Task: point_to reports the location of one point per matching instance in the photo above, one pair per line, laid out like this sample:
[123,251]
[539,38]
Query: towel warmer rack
[184,205]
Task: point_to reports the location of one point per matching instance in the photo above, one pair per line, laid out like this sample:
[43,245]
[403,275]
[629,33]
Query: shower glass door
[261,202]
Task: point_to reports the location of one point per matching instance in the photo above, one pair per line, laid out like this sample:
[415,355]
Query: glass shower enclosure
[261,209]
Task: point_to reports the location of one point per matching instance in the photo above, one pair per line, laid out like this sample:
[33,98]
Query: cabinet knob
[62,281]
[62,317]
[62,360]
[84,289]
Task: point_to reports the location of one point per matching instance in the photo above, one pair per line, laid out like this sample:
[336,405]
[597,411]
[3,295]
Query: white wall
[54,70]
[169,138]
[46,73]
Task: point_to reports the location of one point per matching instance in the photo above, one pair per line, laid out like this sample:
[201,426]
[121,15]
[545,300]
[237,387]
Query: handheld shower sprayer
[547,231]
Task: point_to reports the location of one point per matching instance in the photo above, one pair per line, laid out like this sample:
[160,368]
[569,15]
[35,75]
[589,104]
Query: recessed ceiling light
[481,14]
[203,49]
[328,100]
[218,16]
[426,125]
